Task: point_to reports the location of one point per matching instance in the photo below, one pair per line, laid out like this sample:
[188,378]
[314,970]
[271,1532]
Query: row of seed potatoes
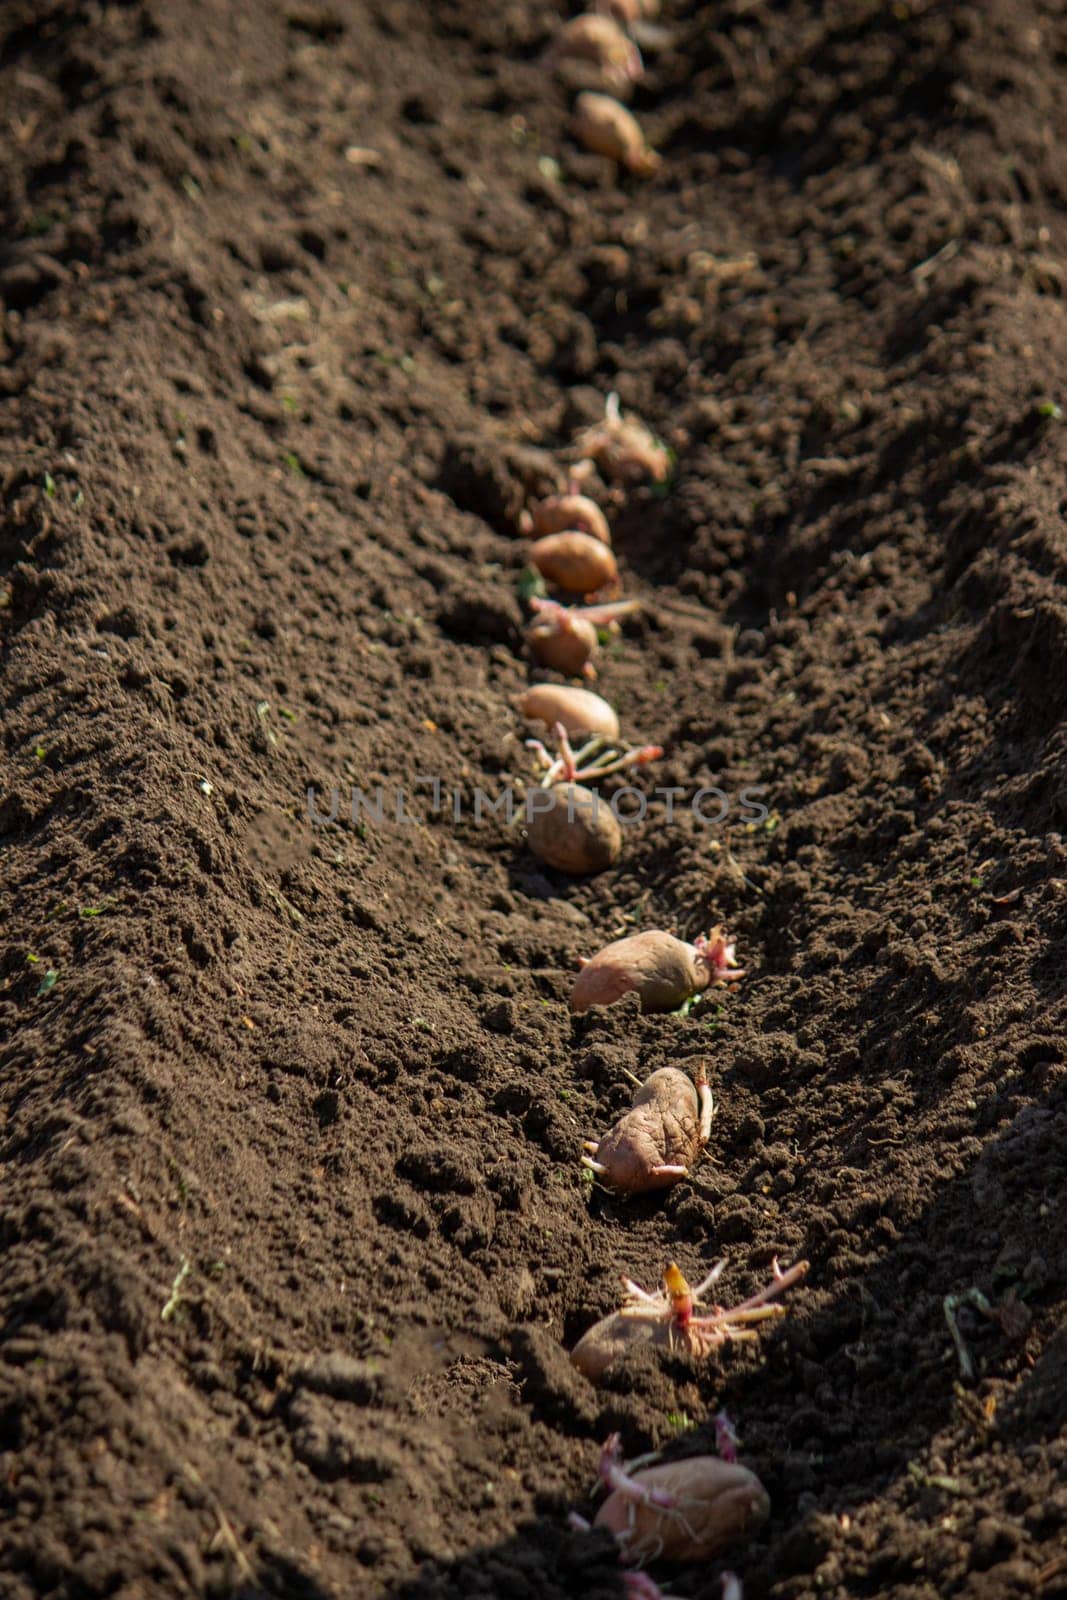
[693,1509]
[598,55]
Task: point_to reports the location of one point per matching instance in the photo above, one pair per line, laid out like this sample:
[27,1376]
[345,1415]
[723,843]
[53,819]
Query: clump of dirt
[300,304]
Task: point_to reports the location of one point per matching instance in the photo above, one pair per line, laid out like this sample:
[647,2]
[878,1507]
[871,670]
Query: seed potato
[653,1145]
[576,832]
[715,1504]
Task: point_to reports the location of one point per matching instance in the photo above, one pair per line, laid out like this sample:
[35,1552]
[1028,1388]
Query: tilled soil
[295,1232]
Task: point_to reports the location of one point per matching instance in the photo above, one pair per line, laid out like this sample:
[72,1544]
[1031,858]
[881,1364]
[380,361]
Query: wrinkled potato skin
[665,972]
[588,842]
[662,1128]
[575,562]
[718,1504]
[579,710]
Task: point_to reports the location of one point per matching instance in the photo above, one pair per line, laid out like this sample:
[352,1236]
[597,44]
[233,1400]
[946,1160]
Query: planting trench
[266,411]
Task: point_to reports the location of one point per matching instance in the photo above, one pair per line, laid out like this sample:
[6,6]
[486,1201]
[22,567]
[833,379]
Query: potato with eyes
[663,970]
[654,1144]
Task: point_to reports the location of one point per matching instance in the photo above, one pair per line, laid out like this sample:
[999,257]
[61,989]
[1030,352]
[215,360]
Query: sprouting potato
[688,1510]
[573,829]
[575,710]
[564,643]
[602,125]
[654,1144]
[567,513]
[575,562]
[596,759]
[567,640]
[593,52]
[667,1320]
[623,448]
[664,971]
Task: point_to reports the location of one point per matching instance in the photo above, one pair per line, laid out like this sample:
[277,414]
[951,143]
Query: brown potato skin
[608,1340]
[574,562]
[587,842]
[661,1128]
[664,970]
[608,129]
[718,1503]
[571,513]
[579,710]
[564,649]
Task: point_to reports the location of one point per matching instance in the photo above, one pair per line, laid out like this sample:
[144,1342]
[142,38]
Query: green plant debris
[689,1005]
[680,1421]
[49,486]
[1050,411]
[33,960]
[191,187]
[263,713]
[531,585]
[952,1304]
[936,1480]
[39,752]
[176,1291]
[98,911]
[283,904]
[48,982]
[78,501]
[292,463]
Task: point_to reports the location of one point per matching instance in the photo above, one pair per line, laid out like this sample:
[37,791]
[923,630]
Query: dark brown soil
[295,1235]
